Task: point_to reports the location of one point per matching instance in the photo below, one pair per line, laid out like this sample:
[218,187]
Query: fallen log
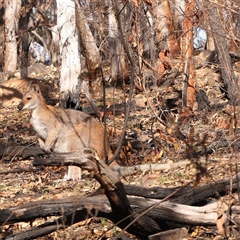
[7,152]
[186,195]
[166,211]
[147,216]
[114,190]
[74,210]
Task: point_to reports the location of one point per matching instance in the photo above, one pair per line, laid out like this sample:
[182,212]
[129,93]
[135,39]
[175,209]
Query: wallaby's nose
[20,106]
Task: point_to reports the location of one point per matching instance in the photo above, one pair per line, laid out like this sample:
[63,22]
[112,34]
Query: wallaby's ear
[33,86]
[29,86]
[36,88]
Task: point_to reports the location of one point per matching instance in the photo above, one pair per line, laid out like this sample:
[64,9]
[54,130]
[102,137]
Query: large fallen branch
[99,206]
[114,190]
[75,210]
[7,152]
[186,195]
[116,206]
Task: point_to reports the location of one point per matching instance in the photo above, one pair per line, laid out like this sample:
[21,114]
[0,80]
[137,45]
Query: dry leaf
[157,156]
[222,219]
[220,224]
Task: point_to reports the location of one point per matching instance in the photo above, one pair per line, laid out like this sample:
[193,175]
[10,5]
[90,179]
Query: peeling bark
[11,17]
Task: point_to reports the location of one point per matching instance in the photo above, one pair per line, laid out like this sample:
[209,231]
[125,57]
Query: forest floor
[148,141]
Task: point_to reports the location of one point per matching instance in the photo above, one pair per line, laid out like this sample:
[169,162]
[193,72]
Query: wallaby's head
[31,98]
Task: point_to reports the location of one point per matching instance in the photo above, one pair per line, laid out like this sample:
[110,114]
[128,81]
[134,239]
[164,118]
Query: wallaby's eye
[29,98]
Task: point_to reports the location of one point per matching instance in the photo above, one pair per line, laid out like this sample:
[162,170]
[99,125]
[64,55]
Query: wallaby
[63,130]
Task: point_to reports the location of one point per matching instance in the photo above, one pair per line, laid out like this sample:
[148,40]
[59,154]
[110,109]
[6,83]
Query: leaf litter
[147,141]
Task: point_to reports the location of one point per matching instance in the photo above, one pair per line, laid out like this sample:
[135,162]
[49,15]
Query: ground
[148,140]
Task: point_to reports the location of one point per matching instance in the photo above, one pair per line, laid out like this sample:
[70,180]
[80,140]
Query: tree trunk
[221,45]
[70,67]
[54,47]
[172,43]
[187,49]
[161,28]
[148,38]
[23,29]
[119,72]
[1,41]
[11,17]
[91,51]
[165,35]
[209,41]
[231,26]
[70,53]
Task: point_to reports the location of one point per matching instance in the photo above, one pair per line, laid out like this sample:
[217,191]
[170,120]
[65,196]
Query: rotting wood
[114,189]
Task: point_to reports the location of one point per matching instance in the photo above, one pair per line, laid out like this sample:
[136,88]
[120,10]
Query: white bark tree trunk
[70,53]
[113,44]
[70,66]
[11,18]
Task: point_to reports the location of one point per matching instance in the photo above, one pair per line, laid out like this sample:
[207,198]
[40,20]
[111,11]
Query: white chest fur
[39,126]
